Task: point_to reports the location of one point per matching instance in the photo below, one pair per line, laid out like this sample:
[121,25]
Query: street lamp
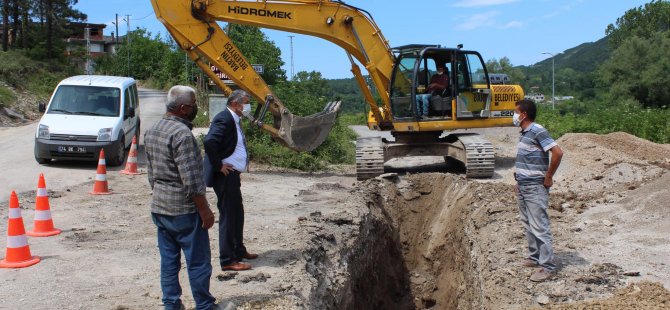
[553,96]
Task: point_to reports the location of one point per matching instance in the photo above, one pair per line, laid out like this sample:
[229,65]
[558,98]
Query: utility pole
[291,37]
[128,40]
[87,36]
[553,95]
[116,40]
[186,68]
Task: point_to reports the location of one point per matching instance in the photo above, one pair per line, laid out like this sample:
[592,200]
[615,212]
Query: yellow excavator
[415,115]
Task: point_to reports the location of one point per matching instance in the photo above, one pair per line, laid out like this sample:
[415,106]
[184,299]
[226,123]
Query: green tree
[258,49]
[642,22]
[504,65]
[151,58]
[566,81]
[639,69]
[38,26]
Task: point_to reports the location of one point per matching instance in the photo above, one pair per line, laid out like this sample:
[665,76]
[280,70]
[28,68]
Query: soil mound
[642,295]
[603,168]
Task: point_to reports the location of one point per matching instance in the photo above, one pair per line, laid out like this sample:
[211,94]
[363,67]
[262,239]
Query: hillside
[584,58]
[348,91]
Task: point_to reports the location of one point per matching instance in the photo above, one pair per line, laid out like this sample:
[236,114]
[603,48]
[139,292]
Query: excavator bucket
[305,133]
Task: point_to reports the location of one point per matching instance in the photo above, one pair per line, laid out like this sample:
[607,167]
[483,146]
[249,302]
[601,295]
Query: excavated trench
[416,249]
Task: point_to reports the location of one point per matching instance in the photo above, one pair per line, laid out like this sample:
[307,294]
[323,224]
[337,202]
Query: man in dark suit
[226,158]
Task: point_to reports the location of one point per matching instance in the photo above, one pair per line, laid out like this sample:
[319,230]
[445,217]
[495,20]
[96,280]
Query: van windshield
[85,100]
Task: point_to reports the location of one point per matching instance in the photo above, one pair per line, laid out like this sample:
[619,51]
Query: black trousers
[231,218]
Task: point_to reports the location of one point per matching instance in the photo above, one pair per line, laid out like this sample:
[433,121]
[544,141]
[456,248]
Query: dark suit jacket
[220,143]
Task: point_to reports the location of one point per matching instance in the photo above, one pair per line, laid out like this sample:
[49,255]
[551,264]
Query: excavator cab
[416,95]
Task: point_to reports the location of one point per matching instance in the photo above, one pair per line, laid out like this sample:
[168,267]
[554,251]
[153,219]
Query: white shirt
[239,157]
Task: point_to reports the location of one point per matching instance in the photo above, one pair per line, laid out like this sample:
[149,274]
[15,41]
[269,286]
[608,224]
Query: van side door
[129,115]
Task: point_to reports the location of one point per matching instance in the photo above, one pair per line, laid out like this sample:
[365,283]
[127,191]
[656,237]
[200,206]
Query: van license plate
[71,149]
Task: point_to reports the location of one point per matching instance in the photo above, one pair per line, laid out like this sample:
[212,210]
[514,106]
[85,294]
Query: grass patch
[40,78]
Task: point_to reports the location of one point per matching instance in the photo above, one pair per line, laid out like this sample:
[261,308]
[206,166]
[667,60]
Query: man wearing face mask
[439,82]
[534,173]
[226,157]
[179,208]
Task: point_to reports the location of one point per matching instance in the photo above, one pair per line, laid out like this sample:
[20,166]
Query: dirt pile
[462,243]
[603,168]
[642,295]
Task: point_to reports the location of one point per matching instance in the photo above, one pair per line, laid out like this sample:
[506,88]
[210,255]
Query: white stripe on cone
[41,192]
[14,242]
[42,215]
[14,213]
[132,159]
[101,161]
[101,177]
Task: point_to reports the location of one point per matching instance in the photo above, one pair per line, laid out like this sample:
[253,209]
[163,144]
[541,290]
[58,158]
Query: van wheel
[118,158]
[42,161]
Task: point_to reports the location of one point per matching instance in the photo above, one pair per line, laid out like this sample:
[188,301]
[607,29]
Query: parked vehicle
[87,113]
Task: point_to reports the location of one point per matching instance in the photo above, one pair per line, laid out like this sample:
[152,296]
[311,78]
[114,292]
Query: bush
[6,96]
[40,78]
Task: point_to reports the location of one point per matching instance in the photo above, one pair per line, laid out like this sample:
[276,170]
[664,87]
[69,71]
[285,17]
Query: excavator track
[479,156]
[369,157]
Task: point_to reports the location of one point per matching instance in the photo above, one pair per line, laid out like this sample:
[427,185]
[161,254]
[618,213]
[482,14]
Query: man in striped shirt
[534,172]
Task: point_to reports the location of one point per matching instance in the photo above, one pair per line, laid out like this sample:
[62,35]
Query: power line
[144,16]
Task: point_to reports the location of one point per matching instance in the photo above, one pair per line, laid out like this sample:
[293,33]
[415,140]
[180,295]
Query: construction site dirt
[420,237]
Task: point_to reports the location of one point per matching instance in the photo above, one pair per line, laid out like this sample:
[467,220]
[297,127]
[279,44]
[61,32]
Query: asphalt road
[19,171]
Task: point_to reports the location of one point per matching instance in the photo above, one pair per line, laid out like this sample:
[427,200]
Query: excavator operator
[439,83]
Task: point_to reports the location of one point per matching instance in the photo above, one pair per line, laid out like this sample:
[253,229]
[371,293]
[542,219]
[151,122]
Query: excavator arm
[192,23]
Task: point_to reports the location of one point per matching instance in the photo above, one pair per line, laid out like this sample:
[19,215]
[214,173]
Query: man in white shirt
[226,158]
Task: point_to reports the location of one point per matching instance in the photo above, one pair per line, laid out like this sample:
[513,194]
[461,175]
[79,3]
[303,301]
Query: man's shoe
[541,275]
[248,255]
[237,266]
[527,262]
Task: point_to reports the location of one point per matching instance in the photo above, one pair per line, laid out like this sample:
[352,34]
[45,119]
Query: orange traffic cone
[131,163]
[44,225]
[18,251]
[100,186]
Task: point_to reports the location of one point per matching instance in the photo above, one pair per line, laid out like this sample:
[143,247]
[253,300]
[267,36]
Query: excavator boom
[193,26]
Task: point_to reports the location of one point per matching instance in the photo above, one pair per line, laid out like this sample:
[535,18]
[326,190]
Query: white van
[87,113]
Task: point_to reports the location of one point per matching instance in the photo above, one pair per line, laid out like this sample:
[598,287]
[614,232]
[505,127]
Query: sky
[520,30]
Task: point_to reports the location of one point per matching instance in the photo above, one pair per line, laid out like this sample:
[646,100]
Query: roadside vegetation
[23,73]
[34,59]
[620,83]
